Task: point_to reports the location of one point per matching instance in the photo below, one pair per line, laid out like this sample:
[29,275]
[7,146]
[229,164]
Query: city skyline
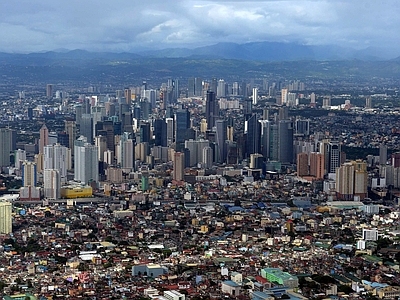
[137,26]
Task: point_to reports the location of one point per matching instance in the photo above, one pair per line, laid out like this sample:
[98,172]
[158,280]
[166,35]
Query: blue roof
[231,283]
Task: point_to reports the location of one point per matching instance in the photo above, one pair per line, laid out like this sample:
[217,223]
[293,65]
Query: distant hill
[272,51]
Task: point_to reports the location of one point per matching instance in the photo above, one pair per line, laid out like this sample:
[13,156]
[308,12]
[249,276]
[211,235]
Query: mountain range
[255,51]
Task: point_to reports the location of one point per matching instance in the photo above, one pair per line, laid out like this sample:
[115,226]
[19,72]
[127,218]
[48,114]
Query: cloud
[124,25]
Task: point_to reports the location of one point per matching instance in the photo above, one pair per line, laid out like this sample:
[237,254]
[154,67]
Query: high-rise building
[70,129]
[179,166]
[86,127]
[85,161]
[284,96]
[221,137]
[182,124]
[302,164]
[20,157]
[312,100]
[285,141]
[198,87]
[302,127]
[255,96]
[5,217]
[57,157]
[29,173]
[101,142]
[368,102]
[332,152]
[51,184]
[207,157]
[128,95]
[253,134]
[49,91]
[221,89]
[383,154]
[44,138]
[326,102]
[191,87]
[265,138]
[126,152]
[317,165]
[170,131]
[212,109]
[256,161]
[352,180]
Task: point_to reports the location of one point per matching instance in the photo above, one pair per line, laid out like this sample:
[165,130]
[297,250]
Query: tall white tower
[86,161]
[51,184]
[255,96]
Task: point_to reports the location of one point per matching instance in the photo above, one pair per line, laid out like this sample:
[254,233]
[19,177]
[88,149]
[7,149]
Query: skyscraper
[20,157]
[29,173]
[212,109]
[253,134]
[5,217]
[285,142]
[7,144]
[255,96]
[44,138]
[198,87]
[182,124]
[70,129]
[179,166]
[57,157]
[51,184]
[86,127]
[221,88]
[221,137]
[383,154]
[49,91]
[86,161]
[160,133]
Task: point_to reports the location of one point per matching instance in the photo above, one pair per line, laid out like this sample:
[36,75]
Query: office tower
[256,161]
[160,133]
[127,122]
[255,96]
[29,173]
[145,109]
[232,155]
[128,95]
[63,138]
[291,99]
[179,166]
[229,133]
[86,127]
[198,87]
[302,164]
[144,131]
[170,131]
[106,128]
[368,102]
[19,158]
[86,161]
[212,109]
[127,152]
[235,89]
[182,124]
[70,129]
[332,156]
[266,114]
[265,138]
[221,137]
[101,142]
[5,217]
[44,138]
[302,127]
[49,91]
[191,87]
[283,113]
[382,154]
[97,112]
[51,184]
[274,142]
[214,85]
[284,96]
[79,111]
[108,157]
[253,135]
[203,126]
[285,141]
[221,88]
[326,102]
[317,165]
[57,157]
[312,100]
[207,157]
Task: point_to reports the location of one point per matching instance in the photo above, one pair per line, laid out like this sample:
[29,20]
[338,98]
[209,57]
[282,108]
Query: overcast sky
[126,25]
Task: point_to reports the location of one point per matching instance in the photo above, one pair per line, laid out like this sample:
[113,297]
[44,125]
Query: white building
[5,217]
[370,234]
[86,161]
[57,157]
[51,184]
[20,157]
